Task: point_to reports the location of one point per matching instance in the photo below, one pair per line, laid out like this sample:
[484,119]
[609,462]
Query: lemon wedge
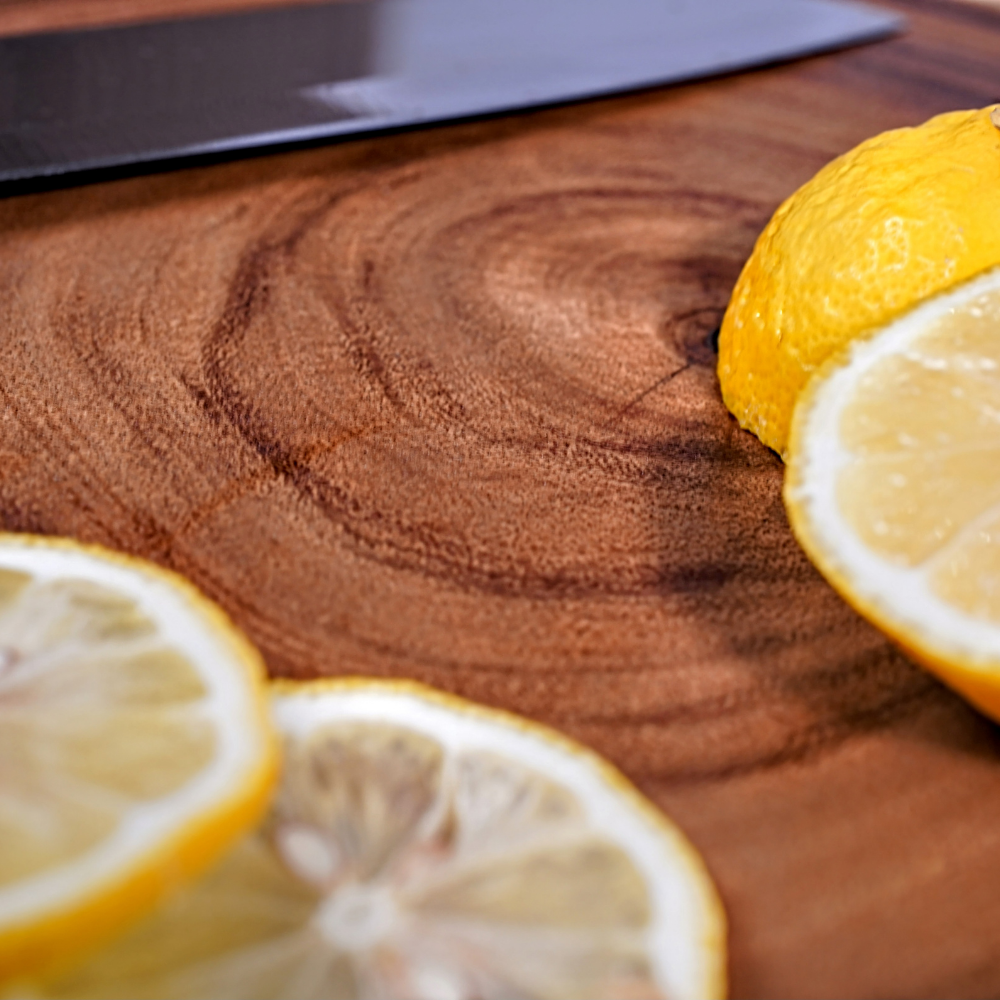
[424,847]
[893,483]
[135,745]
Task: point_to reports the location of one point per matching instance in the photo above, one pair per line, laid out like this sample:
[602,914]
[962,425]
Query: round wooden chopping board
[443,406]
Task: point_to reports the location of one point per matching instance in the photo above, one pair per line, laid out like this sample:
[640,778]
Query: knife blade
[74,102]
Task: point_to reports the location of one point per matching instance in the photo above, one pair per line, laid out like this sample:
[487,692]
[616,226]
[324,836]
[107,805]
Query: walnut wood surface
[18,17]
[441,405]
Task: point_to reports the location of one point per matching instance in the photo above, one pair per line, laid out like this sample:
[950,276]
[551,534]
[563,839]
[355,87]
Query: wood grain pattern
[442,405]
[21,17]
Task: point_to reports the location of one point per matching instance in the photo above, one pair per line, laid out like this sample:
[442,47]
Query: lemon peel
[901,217]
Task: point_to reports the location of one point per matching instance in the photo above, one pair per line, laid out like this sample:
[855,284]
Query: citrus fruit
[903,216]
[893,482]
[420,846]
[135,745]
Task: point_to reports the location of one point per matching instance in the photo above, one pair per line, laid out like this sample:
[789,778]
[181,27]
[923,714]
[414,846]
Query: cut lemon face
[893,483]
[135,745]
[423,847]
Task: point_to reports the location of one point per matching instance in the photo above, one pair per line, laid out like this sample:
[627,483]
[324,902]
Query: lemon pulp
[134,745]
[423,847]
[894,482]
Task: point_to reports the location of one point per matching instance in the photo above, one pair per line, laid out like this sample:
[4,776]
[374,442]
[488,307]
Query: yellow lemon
[893,482]
[424,847]
[902,217]
[135,744]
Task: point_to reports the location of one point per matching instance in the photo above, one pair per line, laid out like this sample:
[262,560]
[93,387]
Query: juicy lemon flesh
[92,719]
[902,217]
[391,866]
[923,489]
[109,732]
[894,483]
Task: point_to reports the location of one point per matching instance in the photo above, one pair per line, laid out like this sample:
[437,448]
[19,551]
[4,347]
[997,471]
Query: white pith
[899,596]
[146,827]
[682,938]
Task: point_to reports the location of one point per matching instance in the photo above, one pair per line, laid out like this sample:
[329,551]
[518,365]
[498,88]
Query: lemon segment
[424,847]
[893,483]
[902,217]
[136,745]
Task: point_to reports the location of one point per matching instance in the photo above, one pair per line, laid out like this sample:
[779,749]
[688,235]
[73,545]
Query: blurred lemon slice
[424,847]
[893,483]
[134,743]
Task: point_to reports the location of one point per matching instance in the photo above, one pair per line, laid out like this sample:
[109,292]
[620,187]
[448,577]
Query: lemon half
[134,743]
[893,483]
[424,847]
[903,216]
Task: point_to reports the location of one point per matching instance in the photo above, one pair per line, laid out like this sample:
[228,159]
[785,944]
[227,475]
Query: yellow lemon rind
[804,293]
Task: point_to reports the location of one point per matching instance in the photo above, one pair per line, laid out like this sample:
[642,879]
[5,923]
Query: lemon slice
[134,742]
[423,847]
[893,483]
